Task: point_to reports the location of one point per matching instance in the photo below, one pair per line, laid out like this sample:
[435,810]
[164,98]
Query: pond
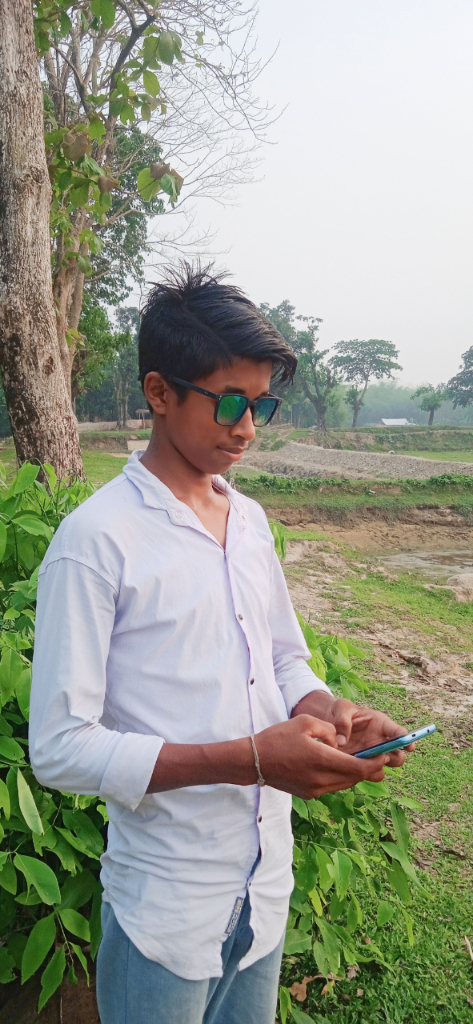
[432,564]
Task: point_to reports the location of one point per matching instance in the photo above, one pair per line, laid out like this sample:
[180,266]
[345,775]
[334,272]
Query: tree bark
[431,417]
[44,426]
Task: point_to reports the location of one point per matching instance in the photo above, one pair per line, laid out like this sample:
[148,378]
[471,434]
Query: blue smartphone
[398,743]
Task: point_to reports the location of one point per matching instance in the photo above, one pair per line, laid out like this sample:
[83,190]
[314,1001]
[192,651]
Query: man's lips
[235,453]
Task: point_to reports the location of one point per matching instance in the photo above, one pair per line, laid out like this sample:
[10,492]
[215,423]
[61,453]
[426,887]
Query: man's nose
[245,427]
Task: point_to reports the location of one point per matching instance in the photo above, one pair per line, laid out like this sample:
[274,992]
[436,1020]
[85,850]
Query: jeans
[131,989]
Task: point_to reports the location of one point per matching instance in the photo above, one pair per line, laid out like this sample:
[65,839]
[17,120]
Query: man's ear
[157,392]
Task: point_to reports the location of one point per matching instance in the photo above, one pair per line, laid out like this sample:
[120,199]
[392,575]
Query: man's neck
[187,483]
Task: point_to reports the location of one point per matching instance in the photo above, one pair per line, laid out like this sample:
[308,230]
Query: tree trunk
[431,417]
[38,402]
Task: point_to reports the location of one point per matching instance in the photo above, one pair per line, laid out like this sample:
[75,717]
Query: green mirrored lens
[231,409]
[264,409]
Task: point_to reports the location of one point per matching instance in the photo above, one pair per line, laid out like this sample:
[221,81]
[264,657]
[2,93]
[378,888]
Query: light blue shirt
[148,631]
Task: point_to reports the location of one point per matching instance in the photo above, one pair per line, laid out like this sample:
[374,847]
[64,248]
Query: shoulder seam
[73,557]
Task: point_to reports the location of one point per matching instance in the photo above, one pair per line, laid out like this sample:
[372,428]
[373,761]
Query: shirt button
[260,818]
[240,618]
[251,682]
[179,514]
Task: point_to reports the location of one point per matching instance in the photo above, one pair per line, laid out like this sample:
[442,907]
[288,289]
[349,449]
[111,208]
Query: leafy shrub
[50,843]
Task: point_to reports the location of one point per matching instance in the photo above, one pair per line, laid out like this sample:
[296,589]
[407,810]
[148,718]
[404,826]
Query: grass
[430,982]
[443,456]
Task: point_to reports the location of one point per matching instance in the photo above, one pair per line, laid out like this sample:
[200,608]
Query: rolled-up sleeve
[69,747]
[290,652]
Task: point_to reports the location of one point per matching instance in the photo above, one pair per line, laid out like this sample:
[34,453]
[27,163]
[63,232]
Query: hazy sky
[364,213]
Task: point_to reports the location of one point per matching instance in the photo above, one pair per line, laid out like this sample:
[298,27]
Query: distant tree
[460,387]
[432,398]
[359,362]
[315,379]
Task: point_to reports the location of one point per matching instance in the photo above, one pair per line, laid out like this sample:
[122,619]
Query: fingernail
[341,740]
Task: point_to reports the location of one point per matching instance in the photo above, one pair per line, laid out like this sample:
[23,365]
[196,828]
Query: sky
[362,213]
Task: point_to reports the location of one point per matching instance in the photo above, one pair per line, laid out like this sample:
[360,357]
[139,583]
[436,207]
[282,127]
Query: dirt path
[303,460]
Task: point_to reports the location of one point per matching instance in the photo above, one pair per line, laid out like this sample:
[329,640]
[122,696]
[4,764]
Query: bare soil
[306,460]
[318,573]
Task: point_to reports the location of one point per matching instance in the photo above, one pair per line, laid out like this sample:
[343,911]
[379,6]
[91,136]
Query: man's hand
[356,728]
[291,759]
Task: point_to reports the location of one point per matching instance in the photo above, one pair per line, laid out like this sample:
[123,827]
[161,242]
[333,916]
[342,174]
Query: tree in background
[460,387]
[359,362]
[315,379]
[113,129]
[432,398]
[36,391]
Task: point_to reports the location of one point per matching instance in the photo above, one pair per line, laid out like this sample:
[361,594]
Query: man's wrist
[317,703]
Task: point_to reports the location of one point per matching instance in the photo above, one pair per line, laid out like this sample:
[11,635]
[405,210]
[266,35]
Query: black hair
[192,324]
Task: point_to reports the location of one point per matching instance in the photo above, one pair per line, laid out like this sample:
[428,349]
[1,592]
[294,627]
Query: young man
[171,678]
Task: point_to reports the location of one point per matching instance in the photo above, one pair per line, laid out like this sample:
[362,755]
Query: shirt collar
[157,495]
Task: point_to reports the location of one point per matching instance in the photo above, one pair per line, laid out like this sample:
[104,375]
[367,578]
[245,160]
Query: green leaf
[23,692]
[343,869]
[401,827]
[65,24]
[105,10]
[5,798]
[11,667]
[398,881]
[77,890]
[3,539]
[40,875]
[301,807]
[33,525]
[24,478]
[39,943]
[397,854]
[28,807]
[296,941]
[384,913]
[75,923]
[376,789]
[354,914]
[332,945]
[82,959]
[95,923]
[166,48]
[285,1005]
[316,902]
[97,129]
[84,829]
[307,870]
[10,750]
[79,196]
[326,869]
[51,978]
[408,801]
[8,878]
[147,186]
[302,1018]
[150,83]
[321,959]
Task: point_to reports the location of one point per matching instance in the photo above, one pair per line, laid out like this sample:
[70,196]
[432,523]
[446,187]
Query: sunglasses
[230,409]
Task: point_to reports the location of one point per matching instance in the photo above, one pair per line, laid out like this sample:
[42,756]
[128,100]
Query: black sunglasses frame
[226,394]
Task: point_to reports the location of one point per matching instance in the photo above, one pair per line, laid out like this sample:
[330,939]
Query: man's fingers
[342,717]
[320,730]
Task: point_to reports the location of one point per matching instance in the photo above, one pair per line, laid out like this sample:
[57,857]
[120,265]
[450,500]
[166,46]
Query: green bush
[50,842]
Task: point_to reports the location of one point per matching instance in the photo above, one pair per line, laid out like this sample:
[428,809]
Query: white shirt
[147,632]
